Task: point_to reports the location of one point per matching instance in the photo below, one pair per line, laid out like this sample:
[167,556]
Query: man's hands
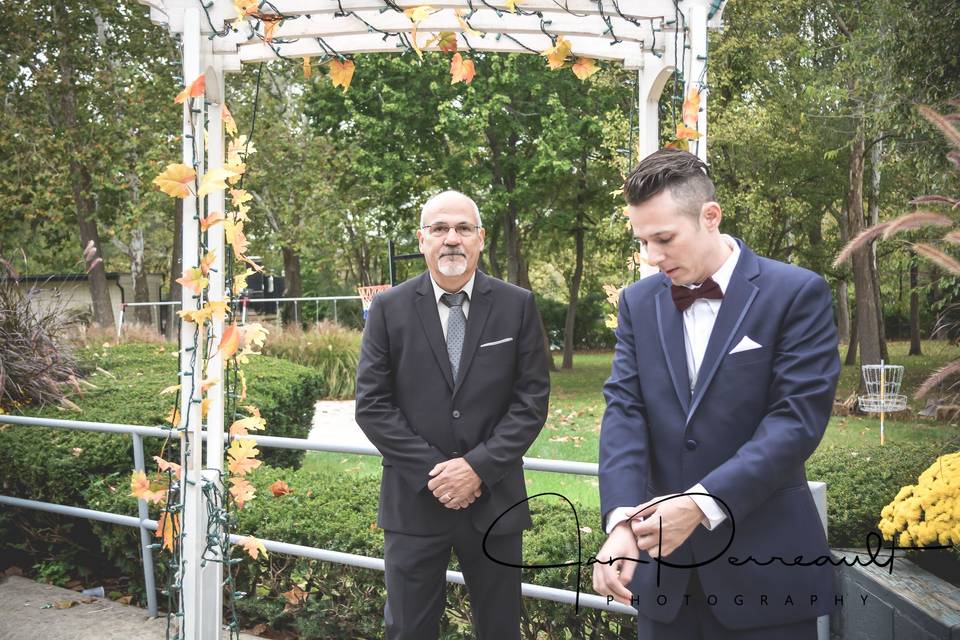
[674,517]
[658,527]
[611,579]
[454,483]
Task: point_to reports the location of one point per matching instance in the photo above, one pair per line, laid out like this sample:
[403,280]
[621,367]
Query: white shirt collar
[725,272]
[467,288]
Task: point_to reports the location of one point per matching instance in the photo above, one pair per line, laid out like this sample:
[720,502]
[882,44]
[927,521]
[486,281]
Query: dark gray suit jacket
[409,407]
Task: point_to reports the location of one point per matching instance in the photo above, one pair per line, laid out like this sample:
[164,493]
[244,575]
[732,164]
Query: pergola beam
[629,8]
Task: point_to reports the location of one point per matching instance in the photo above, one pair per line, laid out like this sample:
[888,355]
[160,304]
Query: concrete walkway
[30,610]
[334,423]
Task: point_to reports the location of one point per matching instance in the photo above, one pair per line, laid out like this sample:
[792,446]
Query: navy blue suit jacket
[744,433]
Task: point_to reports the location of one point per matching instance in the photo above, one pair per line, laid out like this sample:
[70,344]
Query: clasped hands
[454,483]
[658,527]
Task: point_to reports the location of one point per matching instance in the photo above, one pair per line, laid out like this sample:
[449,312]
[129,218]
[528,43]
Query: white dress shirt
[444,310]
[698,321]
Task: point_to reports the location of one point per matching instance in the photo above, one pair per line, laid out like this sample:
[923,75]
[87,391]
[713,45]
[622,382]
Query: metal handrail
[143,523]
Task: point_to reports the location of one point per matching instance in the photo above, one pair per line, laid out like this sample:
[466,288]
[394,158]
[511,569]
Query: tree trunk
[843,312]
[176,270]
[851,358]
[492,258]
[868,325]
[574,294]
[876,160]
[141,290]
[292,285]
[915,349]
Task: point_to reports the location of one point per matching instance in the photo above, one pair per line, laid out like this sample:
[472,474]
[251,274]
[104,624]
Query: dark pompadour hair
[684,174]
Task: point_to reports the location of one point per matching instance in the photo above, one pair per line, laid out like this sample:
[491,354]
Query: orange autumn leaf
[243,466]
[168,528]
[230,341]
[461,70]
[583,68]
[341,73]
[175,180]
[194,280]
[217,309]
[142,489]
[467,29]
[243,426]
[233,231]
[686,133]
[204,407]
[447,41]
[196,316]
[246,7]
[195,90]
[416,14]
[173,417]
[229,124]
[215,179]
[240,196]
[209,383]
[165,465]
[691,109]
[307,69]
[557,54]
[206,261]
[252,546]
[280,488]
[210,220]
[240,281]
[242,491]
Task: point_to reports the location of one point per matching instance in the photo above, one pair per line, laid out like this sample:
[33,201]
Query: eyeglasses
[441,229]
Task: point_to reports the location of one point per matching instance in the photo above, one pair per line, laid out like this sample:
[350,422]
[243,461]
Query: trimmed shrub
[861,481]
[332,349]
[338,512]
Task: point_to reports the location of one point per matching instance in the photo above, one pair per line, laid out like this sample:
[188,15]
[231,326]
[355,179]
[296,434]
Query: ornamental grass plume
[927,513]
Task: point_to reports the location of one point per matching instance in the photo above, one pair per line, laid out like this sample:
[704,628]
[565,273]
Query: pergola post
[696,76]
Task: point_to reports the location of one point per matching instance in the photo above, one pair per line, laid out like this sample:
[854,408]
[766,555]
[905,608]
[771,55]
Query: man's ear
[711,215]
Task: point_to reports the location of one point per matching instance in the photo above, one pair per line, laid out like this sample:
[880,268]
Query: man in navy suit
[452,388]
[721,387]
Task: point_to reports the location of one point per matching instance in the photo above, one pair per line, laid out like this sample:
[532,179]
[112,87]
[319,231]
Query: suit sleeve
[521,424]
[806,368]
[379,416]
[624,439]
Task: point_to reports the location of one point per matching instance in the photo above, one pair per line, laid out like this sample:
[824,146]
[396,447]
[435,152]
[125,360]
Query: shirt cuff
[713,514]
[618,515]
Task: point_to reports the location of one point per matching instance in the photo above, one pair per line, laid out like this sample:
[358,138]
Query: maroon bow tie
[683,297]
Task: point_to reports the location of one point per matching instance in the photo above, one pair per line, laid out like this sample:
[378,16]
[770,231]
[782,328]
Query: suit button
[691,445]
[455,454]
[456,414]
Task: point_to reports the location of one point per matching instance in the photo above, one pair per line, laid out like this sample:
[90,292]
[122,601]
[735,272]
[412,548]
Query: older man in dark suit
[721,387]
[452,388]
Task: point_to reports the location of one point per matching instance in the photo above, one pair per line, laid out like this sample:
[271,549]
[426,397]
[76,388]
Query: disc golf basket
[367,294]
[883,390]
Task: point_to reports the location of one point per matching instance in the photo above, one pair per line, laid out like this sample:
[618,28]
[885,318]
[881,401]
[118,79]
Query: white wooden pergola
[654,37]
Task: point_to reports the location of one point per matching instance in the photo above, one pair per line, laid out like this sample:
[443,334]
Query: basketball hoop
[367,294]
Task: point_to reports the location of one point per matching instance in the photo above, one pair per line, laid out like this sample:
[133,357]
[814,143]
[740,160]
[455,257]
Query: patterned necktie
[683,297]
[456,328]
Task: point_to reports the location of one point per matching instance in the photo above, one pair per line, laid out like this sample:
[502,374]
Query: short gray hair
[426,205]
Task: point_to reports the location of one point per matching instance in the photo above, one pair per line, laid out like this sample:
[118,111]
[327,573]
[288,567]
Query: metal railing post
[146,552]
[335,312]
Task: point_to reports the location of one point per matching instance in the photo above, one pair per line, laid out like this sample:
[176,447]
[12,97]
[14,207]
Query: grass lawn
[572,430]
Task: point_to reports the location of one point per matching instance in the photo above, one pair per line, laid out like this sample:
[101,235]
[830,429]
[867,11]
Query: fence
[819,490]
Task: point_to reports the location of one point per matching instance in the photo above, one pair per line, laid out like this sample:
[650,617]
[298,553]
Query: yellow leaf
[686,133]
[461,70]
[167,390]
[204,407]
[229,124]
[173,417]
[233,232]
[214,179]
[242,491]
[199,316]
[238,149]
[341,73]
[168,528]
[195,90]
[175,180]
[237,170]
[512,5]
[252,546]
[467,29]
[246,7]
[583,68]
[691,109]
[416,14]
[207,384]
[307,69]
[194,280]
[557,54]
[239,196]
[217,309]
[240,281]
[243,426]
[243,384]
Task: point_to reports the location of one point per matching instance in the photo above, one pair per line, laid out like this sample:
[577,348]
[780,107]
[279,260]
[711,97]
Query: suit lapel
[426,305]
[736,302]
[670,326]
[480,305]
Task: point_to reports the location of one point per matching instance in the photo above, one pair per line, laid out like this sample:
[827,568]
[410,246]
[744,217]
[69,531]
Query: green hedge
[861,481]
[338,512]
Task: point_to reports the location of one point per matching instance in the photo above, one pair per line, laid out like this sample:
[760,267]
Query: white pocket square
[745,345]
[495,342]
